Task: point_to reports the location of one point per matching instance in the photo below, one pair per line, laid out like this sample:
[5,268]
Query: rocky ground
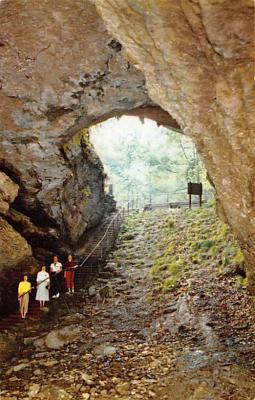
[156,324]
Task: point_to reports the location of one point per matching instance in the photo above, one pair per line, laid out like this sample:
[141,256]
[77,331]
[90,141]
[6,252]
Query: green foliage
[147,163]
[226,261]
[86,193]
[170,223]
[176,265]
[184,240]
[214,250]
[241,283]
[245,282]
[158,267]
[169,249]
[223,231]
[196,239]
[75,141]
[203,245]
[169,284]
[253,303]
[238,257]
[129,225]
[195,259]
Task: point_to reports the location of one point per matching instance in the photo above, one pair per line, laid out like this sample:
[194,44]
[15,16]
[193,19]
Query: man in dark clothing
[55,274]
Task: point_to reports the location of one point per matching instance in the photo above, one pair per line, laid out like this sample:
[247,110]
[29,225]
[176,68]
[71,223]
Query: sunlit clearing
[146,163]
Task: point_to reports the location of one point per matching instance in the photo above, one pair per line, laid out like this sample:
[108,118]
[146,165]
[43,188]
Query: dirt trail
[195,342]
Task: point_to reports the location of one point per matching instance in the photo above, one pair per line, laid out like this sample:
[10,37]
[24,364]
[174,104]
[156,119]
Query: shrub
[169,249]
[203,245]
[169,284]
[158,267]
[239,257]
[170,223]
[176,265]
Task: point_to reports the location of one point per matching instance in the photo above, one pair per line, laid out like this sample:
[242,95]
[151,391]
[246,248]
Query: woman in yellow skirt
[23,295]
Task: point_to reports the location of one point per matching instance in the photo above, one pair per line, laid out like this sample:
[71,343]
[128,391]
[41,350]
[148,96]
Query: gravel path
[129,341]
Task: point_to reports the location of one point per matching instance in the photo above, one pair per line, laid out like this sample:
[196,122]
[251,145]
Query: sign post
[195,189]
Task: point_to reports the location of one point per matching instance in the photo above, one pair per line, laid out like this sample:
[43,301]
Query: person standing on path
[23,295]
[69,273]
[55,269]
[43,282]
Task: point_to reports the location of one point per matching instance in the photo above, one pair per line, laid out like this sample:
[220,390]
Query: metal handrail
[85,259]
[101,240]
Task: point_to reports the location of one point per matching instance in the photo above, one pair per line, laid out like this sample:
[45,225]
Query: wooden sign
[195,189]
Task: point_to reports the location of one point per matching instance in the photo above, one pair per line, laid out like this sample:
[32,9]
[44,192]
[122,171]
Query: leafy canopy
[146,163]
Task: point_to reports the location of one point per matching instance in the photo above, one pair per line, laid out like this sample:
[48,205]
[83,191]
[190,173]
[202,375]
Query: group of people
[47,283]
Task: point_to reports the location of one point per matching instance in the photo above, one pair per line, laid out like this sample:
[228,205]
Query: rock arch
[198,61]
[61,71]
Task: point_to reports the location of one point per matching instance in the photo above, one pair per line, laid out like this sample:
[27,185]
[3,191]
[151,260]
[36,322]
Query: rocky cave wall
[60,72]
[198,60]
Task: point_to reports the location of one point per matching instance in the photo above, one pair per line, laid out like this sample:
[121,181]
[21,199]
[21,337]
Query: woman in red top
[69,273]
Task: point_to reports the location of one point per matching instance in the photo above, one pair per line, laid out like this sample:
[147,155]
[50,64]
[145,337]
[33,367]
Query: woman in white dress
[43,283]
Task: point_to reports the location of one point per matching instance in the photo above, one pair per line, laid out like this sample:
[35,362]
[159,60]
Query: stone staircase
[92,254]
[15,318]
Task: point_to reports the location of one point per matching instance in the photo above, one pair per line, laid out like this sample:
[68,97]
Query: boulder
[15,256]
[8,192]
[49,392]
[92,291]
[14,248]
[9,398]
[105,350]
[34,390]
[8,346]
[63,336]
[75,318]
[20,367]
[122,388]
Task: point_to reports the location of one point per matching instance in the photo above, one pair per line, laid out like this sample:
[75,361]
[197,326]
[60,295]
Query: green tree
[150,164]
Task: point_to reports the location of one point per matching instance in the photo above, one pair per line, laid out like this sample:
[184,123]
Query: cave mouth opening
[145,162]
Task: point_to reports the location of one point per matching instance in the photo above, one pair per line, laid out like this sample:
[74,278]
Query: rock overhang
[61,71]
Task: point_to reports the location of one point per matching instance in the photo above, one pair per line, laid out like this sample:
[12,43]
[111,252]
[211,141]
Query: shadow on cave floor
[147,328]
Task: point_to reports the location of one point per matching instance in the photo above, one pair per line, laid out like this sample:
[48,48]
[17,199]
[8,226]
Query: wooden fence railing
[177,204]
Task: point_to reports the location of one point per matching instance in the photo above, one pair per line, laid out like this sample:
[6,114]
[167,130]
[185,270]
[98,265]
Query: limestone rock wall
[13,247]
[15,252]
[59,72]
[198,61]
[8,192]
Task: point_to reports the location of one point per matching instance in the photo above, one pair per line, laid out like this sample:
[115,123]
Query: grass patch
[194,239]
[169,284]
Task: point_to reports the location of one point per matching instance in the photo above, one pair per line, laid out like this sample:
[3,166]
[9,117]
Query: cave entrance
[145,162]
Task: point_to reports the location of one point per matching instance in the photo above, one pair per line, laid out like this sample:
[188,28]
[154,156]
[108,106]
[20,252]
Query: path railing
[98,250]
[101,248]
[177,204]
[96,255]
